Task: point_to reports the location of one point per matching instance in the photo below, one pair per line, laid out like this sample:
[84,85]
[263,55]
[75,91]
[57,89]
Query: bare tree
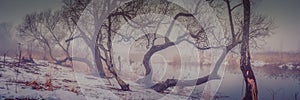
[259,26]
[97,37]
[149,25]
[251,86]
[105,25]
[98,11]
[48,29]
[196,32]
[242,31]
[112,23]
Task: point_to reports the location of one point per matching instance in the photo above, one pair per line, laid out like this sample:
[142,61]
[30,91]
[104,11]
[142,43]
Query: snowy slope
[17,82]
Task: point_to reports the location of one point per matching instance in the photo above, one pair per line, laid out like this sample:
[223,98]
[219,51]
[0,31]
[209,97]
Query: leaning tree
[232,21]
[134,13]
[103,20]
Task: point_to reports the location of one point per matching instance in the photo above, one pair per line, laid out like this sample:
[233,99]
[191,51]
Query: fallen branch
[160,87]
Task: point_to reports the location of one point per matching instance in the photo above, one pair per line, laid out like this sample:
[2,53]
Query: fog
[286,15]
[6,41]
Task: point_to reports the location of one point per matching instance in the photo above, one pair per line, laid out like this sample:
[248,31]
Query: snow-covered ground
[15,82]
[67,84]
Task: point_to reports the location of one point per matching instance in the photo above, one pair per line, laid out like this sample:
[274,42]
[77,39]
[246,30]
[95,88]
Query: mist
[6,38]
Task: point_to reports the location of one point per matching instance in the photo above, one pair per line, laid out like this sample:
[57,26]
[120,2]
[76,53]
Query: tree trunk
[20,54]
[120,64]
[30,53]
[214,72]
[245,65]
[4,60]
[109,59]
[147,80]
[230,20]
[98,62]
[160,87]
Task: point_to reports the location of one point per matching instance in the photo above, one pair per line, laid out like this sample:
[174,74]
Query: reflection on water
[280,88]
[273,81]
[277,77]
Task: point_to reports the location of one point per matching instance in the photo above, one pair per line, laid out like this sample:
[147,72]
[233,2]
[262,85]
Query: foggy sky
[13,11]
[285,12]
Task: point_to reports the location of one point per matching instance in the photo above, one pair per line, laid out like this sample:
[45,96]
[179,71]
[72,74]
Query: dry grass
[49,85]
[34,84]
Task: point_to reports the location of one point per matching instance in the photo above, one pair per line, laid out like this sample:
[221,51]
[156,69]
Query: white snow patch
[298,67]
[281,66]
[290,66]
[258,63]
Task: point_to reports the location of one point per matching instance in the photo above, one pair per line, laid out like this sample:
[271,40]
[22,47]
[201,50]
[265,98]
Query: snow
[298,67]
[258,63]
[281,66]
[12,81]
[288,66]
[65,81]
